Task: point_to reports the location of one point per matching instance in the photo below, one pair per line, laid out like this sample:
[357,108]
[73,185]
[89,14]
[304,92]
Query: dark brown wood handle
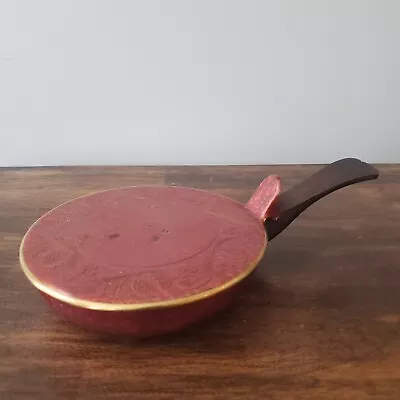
[293,202]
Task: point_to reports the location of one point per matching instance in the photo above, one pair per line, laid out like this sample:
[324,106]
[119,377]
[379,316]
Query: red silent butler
[153,259]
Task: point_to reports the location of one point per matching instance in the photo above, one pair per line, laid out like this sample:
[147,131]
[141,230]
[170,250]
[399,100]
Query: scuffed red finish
[262,201]
[143,245]
[144,323]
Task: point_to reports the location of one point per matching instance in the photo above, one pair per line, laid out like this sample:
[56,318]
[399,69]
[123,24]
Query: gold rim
[100,306]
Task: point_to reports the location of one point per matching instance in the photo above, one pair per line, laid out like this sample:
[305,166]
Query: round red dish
[147,261]
[142,248]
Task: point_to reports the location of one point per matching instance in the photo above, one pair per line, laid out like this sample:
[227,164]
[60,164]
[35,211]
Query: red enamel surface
[264,197]
[144,323]
[143,244]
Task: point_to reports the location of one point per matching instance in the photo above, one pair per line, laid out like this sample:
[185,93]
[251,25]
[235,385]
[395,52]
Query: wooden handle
[293,202]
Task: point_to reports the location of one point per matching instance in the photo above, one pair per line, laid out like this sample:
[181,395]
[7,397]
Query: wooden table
[320,320]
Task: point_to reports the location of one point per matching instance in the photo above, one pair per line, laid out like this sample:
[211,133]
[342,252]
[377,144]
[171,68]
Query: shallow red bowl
[151,260]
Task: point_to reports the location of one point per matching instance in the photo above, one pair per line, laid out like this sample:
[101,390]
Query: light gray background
[205,81]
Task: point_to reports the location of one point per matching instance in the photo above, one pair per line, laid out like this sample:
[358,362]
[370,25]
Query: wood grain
[320,319]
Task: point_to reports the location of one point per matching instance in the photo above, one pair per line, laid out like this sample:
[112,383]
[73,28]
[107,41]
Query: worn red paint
[146,245]
[144,323]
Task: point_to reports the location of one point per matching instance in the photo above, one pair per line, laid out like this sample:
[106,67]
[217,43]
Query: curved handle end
[332,177]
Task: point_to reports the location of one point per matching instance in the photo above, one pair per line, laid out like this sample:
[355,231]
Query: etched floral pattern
[143,244]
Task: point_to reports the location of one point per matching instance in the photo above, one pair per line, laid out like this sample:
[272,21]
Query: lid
[142,247]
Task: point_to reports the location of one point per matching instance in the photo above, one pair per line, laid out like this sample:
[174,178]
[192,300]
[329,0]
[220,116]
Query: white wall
[206,81]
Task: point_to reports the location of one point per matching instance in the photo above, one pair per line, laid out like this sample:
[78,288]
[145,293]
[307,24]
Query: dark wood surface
[320,319]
